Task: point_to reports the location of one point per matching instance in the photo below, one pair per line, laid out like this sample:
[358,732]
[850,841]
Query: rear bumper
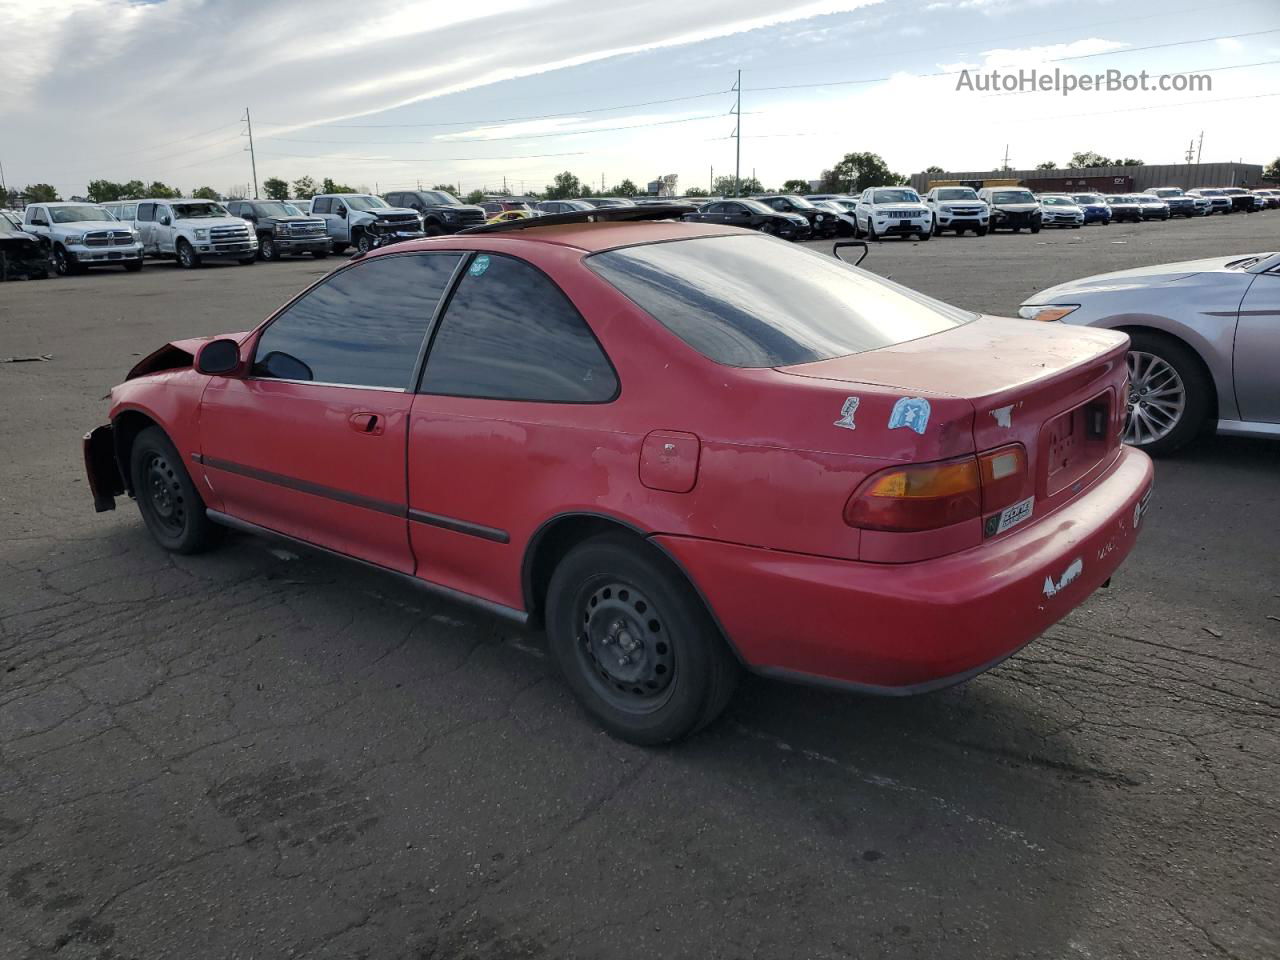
[101,468]
[908,628]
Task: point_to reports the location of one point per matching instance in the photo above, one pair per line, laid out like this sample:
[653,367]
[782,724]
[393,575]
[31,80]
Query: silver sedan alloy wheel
[1157,399]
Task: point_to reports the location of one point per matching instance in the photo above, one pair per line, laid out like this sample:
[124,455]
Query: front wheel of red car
[635,644]
[170,505]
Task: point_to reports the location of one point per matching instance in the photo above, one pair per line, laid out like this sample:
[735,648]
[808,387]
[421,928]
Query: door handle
[369,423]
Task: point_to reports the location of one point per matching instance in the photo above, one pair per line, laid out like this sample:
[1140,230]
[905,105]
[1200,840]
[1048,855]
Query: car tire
[268,250]
[364,243]
[981,231]
[188,259]
[339,247]
[432,229]
[133,266]
[770,228]
[924,235]
[683,671]
[168,500]
[64,263]
[1036,228]
[320,254]
[1191,378]
[871,230]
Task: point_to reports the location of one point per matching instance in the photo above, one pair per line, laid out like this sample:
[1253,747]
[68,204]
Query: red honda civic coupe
[683,449]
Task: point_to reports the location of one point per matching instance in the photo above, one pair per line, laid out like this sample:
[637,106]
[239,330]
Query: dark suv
[441,211]
[281,229]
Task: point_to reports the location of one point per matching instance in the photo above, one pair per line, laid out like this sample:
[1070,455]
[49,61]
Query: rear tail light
[927,496]
[1003,473]
[919,497]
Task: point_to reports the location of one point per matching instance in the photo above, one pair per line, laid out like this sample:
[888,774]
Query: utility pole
[737,136]
[1200,147]
[1191,149]
[1006,158]
[4,190]
[711,184]
[253,159]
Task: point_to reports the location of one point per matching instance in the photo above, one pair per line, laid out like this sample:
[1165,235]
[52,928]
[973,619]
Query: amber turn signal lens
[919,497]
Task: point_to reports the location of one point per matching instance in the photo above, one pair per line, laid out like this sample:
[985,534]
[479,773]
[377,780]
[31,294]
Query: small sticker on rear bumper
[1009,517]
[1067,578]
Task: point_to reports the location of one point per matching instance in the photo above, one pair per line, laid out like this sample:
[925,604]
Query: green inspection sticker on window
[479,265]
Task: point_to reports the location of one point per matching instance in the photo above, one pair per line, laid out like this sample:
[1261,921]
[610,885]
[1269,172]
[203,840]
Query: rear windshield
[751,301]
[957,193]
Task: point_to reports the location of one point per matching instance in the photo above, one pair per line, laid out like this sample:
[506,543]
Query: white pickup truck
[364,221]
[82,235]
[192,231]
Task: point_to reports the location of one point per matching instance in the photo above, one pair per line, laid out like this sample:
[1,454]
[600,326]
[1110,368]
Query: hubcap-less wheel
[1157,398]
[164,494]
[625,648]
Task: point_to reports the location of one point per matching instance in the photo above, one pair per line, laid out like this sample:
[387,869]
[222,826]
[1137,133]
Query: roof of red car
[590,237]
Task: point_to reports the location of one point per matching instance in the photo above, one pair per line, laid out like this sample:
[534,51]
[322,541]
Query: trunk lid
[1058,390]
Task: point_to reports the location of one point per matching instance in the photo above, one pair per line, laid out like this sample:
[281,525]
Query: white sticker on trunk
[1014,515]
[1068,577]
[846,413]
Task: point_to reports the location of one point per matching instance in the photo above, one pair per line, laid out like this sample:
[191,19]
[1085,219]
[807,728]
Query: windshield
[747,301]
[1113,199]
[1086,198]
[79,214]
[1167,192]
[441,197]
[799,202]
[1013,196]
[958,193]
[278,209]
[895,196]
[8,224]
[365,203]
[755,206]
[1058,202]
[1147,198]
[198,211]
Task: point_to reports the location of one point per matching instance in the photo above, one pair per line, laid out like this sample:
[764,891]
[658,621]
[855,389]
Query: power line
[522,156]
[953,73]
[532,136]
[472,123]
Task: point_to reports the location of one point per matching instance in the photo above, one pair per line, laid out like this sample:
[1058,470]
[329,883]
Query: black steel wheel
[634,642]
[167,498]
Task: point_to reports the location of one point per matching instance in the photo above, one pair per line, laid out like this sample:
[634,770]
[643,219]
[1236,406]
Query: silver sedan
[1204,343]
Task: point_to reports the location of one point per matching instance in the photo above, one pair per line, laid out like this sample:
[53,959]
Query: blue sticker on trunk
[910,412]
[479,265]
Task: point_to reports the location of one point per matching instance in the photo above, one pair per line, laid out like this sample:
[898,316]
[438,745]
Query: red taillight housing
[923,496]
[927,496]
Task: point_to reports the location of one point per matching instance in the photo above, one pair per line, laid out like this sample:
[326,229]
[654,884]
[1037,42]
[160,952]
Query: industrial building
[1188,176]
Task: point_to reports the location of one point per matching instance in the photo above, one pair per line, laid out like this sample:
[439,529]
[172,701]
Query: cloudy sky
[389,92]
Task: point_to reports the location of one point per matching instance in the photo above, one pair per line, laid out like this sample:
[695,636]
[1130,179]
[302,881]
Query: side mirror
[342,212]
[165,219]
[217,358]
[39,222]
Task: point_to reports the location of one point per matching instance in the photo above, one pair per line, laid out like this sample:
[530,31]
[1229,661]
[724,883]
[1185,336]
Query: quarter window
[509,333]
[361,327]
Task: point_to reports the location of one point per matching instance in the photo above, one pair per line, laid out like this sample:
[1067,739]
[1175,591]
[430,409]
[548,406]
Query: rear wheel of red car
[170,505]
[1169,396]
[634,642]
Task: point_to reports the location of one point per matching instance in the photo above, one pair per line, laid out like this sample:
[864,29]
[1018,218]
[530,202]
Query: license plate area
[1074,442]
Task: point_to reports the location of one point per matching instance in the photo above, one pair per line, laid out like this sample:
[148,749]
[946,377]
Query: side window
[321,205]
[33,214]
[146,212]
[128,211]
[361,327]
[234,209]
[509,333]
[395,199]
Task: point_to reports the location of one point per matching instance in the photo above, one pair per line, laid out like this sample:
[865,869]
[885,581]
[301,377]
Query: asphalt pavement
[263,753]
